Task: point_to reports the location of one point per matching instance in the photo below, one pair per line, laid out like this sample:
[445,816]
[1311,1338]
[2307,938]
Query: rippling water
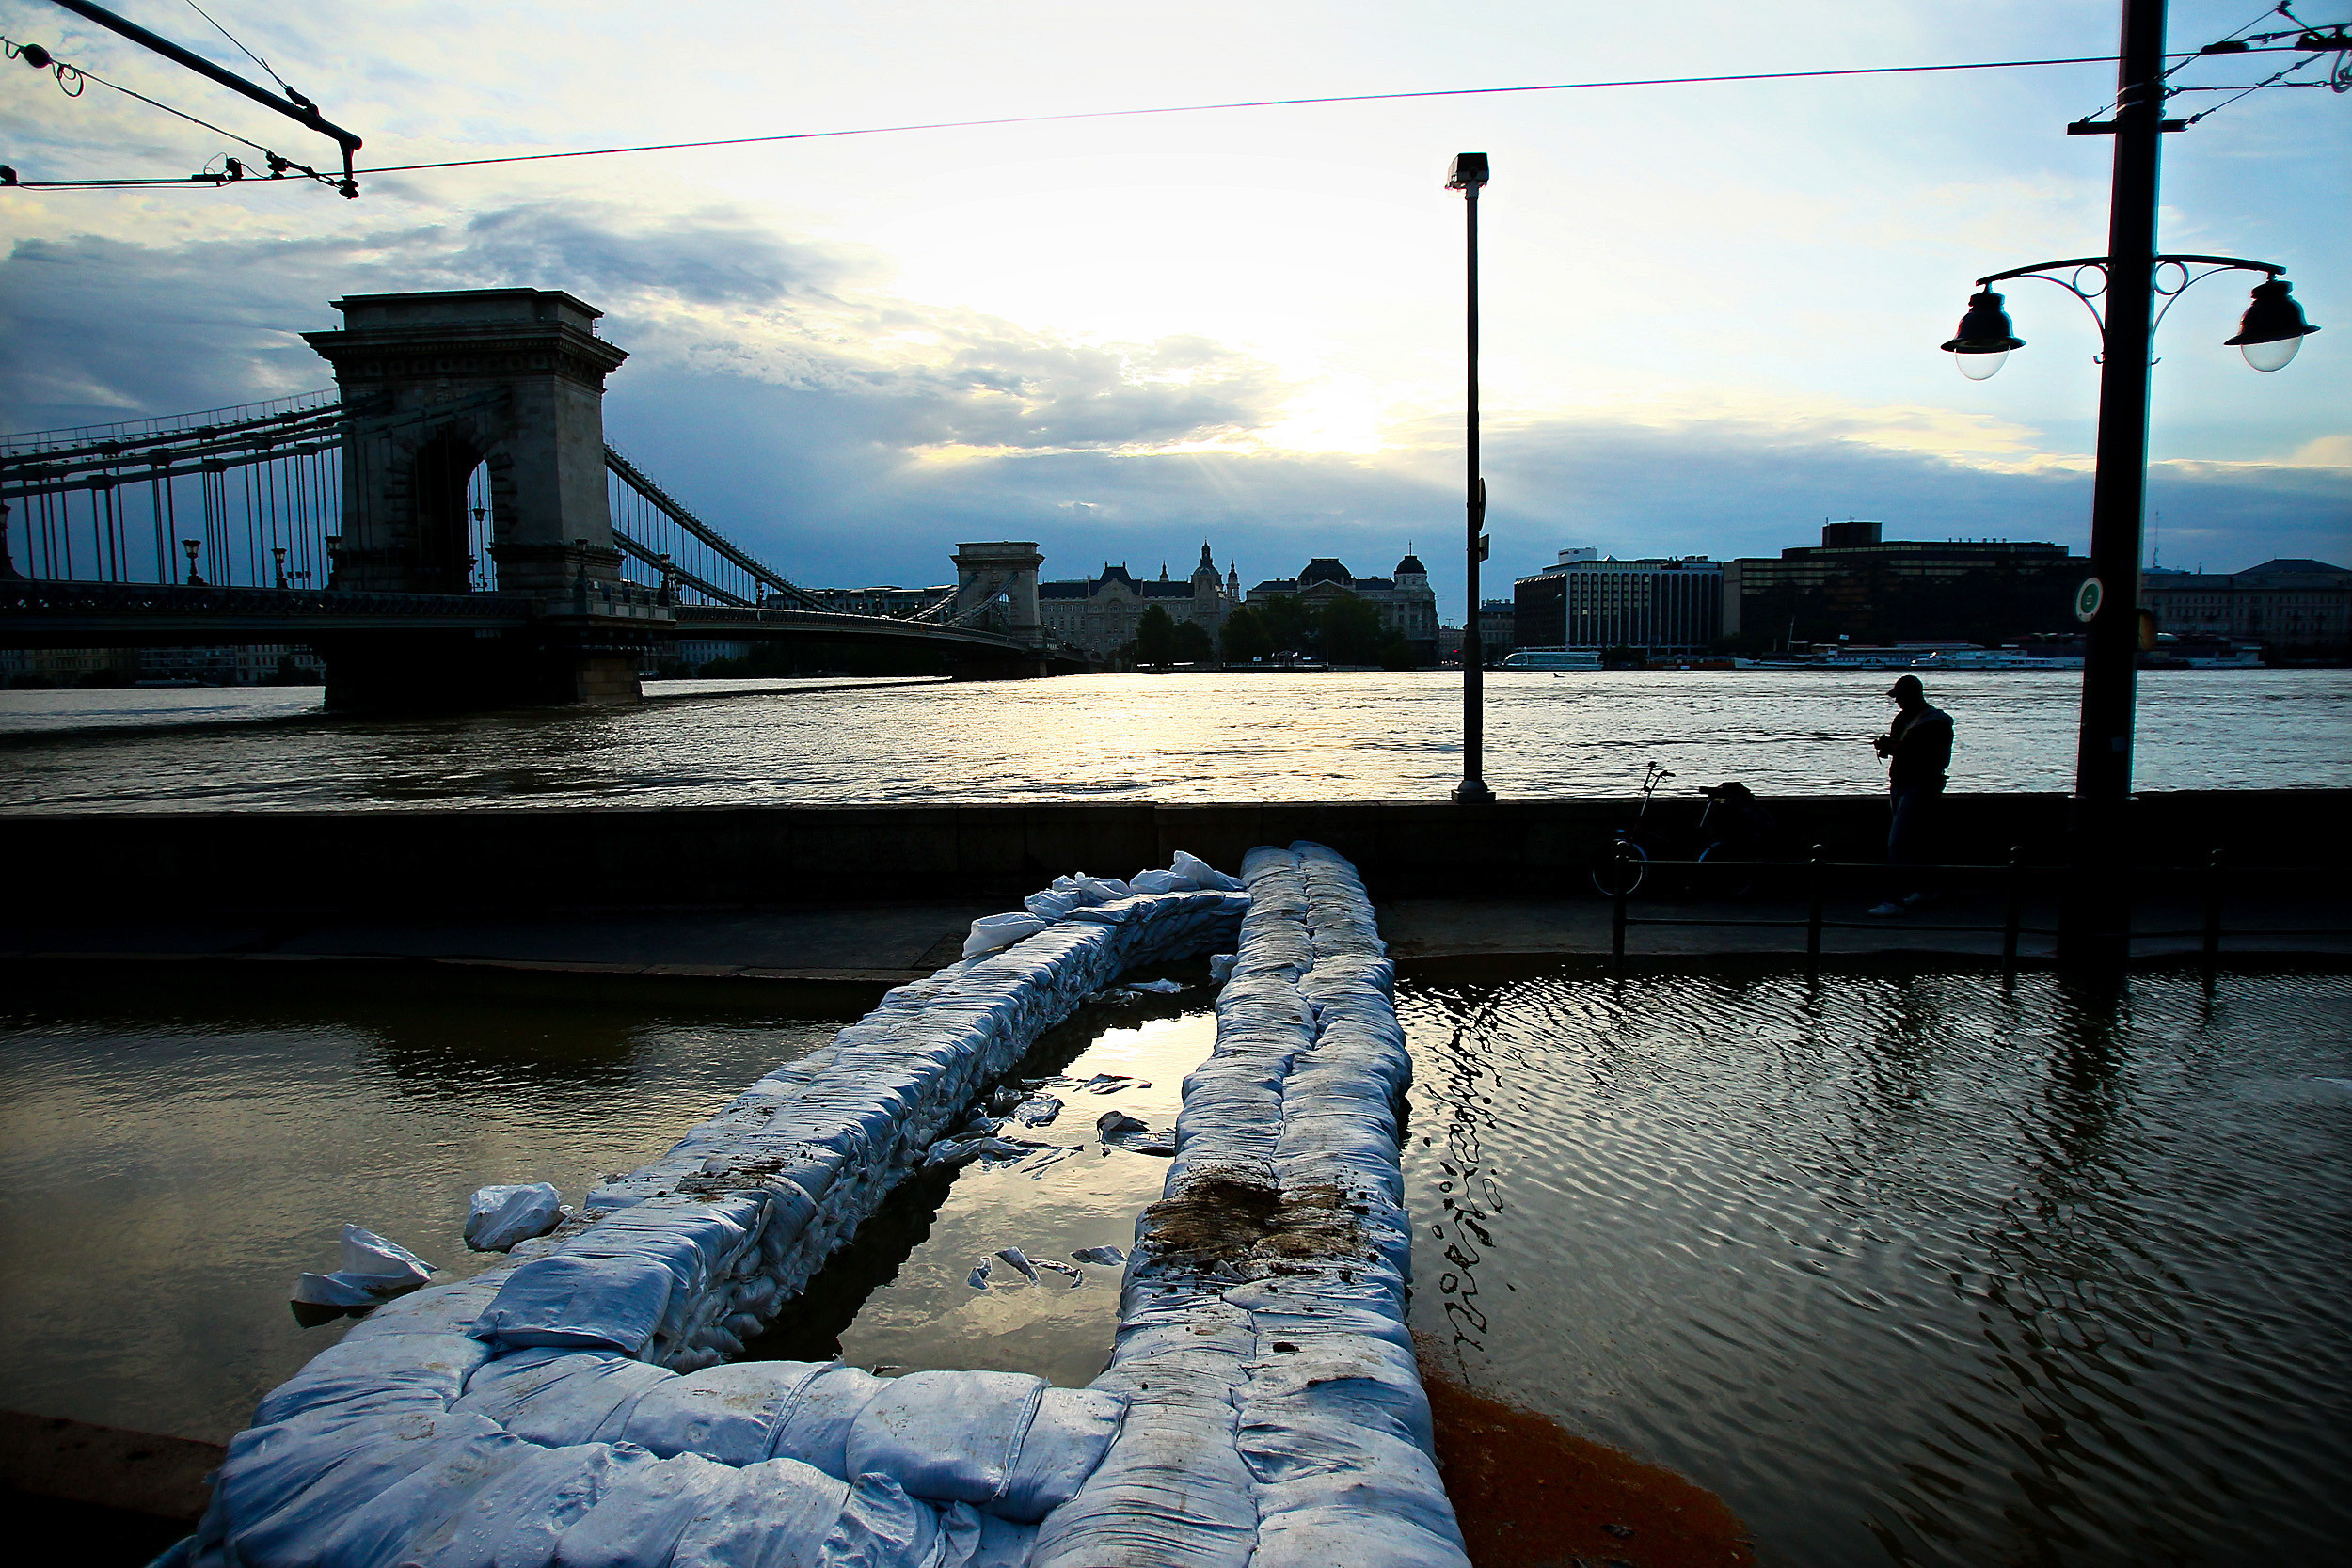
[1177,738]
[1910,1269]
[175,1148]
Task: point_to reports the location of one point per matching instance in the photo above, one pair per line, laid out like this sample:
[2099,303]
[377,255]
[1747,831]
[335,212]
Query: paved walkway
[893,944]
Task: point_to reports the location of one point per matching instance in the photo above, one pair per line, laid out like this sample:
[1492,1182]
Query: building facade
[1407,604]
[1584,600]
[2295,608]
[1856,585]
[881,600]
[1099,615]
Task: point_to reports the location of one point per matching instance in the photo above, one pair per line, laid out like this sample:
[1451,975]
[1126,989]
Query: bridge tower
[513,379]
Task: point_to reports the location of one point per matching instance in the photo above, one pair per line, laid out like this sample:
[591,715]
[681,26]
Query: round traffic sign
[2087,598]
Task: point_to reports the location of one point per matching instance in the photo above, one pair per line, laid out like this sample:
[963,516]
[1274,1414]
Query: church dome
[1411,564]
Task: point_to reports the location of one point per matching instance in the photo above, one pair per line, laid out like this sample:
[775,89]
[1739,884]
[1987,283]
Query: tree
[1244,636]
[1352,632]
[1289,624]
[1155,639]
[1192,644]
[1397,654]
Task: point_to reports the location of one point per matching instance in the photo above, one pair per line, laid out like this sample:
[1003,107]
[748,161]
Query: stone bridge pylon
[512,379]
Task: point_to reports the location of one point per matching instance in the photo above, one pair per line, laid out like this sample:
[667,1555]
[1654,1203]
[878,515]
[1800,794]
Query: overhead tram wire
[1256,103]
[278,164]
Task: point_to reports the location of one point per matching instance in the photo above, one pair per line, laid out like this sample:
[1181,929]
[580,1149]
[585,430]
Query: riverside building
[1660,604]
[1855,585]
[1407,604]
[2295,608]
[1100,614]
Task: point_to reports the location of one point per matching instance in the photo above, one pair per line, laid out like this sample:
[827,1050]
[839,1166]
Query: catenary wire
[1246,103]
[240,43]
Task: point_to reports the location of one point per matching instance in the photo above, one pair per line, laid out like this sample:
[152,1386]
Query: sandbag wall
[1275,1417]
[568,1406]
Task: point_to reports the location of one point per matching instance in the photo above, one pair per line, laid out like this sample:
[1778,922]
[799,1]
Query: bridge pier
[520,374]
[465,671]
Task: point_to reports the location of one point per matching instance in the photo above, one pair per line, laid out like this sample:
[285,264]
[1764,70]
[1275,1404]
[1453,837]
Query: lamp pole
[2095,911]
[1467,176]
[2094,921]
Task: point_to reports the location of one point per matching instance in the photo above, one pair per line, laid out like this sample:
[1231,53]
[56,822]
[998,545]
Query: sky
[1711,311]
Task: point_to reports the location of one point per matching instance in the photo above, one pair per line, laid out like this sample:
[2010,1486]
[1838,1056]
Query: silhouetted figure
[1918,747]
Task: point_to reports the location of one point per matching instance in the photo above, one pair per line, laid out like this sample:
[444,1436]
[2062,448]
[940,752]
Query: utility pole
[1467,176]
[2095,915]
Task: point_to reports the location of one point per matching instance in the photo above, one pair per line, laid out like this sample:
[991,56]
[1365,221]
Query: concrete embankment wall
[584,857]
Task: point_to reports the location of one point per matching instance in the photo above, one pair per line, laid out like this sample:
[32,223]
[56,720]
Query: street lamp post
[2094,922]
[1467,175]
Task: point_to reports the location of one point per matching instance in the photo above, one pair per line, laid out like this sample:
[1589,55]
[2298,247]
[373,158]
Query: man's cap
[1909,683]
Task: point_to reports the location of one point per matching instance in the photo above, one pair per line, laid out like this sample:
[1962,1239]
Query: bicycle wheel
[1619,868]
[1728,883]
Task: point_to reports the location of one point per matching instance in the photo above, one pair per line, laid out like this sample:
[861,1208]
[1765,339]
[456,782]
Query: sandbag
[518,1518]
[946,1436]
[992,931]
[585,1303]
[497,1217]
[638,1519]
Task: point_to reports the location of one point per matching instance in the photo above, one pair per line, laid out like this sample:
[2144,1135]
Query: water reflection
[1910,1268]
[1341,736]
[177,1145]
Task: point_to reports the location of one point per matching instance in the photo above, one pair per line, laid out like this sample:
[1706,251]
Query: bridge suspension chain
[644,516]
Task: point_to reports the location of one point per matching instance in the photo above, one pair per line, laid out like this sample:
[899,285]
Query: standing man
[1918,747]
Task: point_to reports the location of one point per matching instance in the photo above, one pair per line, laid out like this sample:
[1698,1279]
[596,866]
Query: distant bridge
[448,528]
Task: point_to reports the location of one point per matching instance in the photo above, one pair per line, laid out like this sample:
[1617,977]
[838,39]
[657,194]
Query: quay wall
[627,856]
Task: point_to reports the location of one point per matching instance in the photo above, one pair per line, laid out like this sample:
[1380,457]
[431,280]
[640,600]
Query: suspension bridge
[447,527]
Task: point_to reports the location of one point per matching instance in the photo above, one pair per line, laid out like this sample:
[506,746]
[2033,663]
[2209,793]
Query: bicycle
[1733,827]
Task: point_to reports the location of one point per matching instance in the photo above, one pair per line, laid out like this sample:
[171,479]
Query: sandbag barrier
[569,1405]
[1275,1417]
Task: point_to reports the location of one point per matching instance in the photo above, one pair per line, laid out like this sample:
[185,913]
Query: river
[1275,736]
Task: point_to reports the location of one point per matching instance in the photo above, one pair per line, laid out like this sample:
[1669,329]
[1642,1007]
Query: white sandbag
[1200,874]
[1159,881]
[518,1518]
[816,1429]
[1067,1437]
[946,1436]
[432,1367]
[780,1520]
[880,1526]
[1221,967]
[373,1270]
[582,1302]
[727,1413]
[559,1397]
[638,1519]
[992,931]
[334,1467]
[368,1256]
[420,1512]
[497,1217]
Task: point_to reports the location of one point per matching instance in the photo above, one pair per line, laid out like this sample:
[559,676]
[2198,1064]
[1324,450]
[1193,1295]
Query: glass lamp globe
[2272,356]
[1980,367]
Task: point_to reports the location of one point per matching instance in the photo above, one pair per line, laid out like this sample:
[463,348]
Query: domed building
[1100,614]
[1406,603]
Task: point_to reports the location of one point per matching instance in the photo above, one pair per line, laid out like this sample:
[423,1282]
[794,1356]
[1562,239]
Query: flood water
[1908,1268]
[1272,737]
[176,1148]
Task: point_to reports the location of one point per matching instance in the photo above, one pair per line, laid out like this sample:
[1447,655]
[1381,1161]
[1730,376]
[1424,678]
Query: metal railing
[1814,875]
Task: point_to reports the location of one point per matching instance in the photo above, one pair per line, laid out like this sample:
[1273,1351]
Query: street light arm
[2218,263]
[2066,272]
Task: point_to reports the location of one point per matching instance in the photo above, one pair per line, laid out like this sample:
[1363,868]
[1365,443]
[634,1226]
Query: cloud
[123,329]
[850,435]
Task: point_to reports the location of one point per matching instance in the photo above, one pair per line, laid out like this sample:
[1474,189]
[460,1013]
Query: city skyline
[1712,310]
